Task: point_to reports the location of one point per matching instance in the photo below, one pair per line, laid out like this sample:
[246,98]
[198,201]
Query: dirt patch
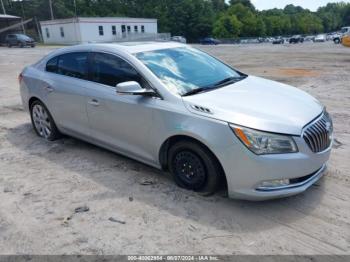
[136,209]
[296,72]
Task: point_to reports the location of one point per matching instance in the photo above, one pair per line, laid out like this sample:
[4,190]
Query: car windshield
[185,70]
[23,37]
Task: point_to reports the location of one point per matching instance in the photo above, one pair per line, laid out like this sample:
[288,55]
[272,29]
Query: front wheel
[194,167]
[43,122]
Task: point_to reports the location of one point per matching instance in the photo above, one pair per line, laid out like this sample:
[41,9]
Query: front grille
[318,134]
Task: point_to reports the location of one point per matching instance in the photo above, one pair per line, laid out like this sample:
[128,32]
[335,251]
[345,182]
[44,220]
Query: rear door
[66,79]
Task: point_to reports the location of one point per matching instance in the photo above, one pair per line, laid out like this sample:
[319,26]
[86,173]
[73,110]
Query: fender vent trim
[202,109]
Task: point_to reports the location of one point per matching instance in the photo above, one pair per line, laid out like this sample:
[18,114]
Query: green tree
[198,18]
[245,3]
[227,26]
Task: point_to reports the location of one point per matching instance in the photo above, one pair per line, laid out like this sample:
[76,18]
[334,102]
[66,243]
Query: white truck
[344,31]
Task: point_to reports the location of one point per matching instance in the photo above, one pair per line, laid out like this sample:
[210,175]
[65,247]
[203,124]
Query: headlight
[265,143]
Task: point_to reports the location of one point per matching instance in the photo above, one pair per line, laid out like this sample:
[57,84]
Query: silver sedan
[179,109]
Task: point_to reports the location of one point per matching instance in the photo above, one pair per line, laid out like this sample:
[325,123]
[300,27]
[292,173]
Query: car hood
[258,103]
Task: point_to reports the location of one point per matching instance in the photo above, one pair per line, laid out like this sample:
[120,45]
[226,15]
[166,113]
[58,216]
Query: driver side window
[111,70]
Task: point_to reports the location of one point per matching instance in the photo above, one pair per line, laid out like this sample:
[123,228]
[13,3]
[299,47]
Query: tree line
[195,19]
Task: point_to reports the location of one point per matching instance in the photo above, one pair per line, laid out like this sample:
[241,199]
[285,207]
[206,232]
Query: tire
[194,167]
[336,41]
[42,122]
[9,45]
[21,45]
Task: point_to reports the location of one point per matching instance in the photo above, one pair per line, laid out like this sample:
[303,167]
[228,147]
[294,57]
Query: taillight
[20,77]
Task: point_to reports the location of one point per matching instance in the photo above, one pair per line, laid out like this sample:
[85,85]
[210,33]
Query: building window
[128,28]
[47,32]
[136,29]
[114,30]
[142,28]
[61,31]
[100,30]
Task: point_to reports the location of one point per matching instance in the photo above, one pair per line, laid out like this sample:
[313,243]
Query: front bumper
[288,190]
[245,171]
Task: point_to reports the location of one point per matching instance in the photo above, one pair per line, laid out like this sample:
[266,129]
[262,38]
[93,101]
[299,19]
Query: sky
[310,4]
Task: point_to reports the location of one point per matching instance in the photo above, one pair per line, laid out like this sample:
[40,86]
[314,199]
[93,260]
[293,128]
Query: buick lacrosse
[179,109]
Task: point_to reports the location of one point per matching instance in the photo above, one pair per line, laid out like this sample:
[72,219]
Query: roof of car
[136,47]
[126,47]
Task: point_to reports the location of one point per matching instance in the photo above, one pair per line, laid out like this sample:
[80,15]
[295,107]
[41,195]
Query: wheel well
[164,149]
[32,100]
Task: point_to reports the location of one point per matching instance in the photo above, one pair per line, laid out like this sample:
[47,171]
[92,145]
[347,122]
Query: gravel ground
[41,183]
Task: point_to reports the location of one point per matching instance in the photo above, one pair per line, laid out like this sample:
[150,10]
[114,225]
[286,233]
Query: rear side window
[73,65]
[51,65]
[111,70]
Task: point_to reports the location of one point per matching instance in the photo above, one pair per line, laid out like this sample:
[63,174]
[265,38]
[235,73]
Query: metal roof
[99,20]
[2,16]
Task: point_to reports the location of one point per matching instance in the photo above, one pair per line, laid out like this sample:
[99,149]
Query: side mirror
[133,88]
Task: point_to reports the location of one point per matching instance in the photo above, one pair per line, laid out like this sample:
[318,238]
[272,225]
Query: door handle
[49,89]
[94,102]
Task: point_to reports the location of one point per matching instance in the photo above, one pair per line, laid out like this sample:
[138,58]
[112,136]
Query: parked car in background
[19,40]
[179,109]
[296,39]
[209,41]
[338,38]
[278,41]
[320,38]
[179,39]
[309,38]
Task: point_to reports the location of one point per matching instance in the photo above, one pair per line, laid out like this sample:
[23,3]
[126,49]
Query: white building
[96,29]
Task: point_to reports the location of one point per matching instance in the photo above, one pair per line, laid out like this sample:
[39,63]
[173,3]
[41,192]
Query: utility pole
[3,7]
[50,3]
[23,17]
[38,29]
[75,7]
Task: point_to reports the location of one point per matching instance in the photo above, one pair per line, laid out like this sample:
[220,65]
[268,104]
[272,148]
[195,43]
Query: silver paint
[138,126]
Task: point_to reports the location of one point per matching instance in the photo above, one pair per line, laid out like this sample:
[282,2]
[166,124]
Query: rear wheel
[194,167]
[43,122]
[8,45]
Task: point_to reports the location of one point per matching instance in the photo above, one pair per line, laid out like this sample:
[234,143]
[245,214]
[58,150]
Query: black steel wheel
[194,167]
[190,169]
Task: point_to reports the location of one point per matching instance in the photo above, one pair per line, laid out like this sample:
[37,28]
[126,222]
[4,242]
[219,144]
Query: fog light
[274,183]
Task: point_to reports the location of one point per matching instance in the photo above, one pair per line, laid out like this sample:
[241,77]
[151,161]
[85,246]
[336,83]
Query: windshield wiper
[221,83]
[228,80]
[195,91]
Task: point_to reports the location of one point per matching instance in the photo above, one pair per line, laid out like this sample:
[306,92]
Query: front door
[121,122]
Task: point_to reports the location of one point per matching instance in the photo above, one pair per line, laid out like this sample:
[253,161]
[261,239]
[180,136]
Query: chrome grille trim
[318,134]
